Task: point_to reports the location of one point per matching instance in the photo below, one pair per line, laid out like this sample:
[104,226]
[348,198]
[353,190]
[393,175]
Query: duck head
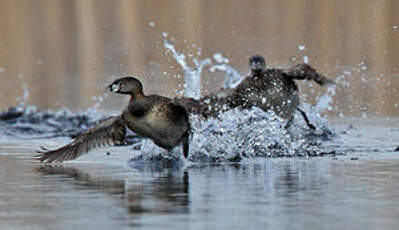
[127,85]
[257,64]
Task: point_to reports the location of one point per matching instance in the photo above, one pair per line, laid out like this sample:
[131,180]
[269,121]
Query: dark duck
[156,117]
[268,89]
[283,92]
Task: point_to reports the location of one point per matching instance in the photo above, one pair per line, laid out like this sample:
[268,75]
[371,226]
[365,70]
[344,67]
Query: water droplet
[219,58]
[263,100]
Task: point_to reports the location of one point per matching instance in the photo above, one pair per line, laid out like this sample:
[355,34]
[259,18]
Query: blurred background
[64,52]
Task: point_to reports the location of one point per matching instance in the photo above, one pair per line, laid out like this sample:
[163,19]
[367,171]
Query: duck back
[268,91]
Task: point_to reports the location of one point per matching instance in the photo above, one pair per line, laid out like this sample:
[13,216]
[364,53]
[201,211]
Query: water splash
[219,58]
[25,89]
[192,75]
[99,100]
[245,134]
[233,78]
[234,136]
[237,134]
[28,122]
[325,101]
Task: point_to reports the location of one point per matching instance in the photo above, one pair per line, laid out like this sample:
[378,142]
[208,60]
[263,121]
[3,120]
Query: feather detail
[304,71]
[108,132]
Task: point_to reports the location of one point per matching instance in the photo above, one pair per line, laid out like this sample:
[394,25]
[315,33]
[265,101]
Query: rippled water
[358,190]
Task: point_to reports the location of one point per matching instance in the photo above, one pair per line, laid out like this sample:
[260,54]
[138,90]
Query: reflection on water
[168,190]
[274,193]
[356,191]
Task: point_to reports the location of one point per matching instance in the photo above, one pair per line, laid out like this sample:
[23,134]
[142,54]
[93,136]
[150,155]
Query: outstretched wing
[108,132]
[304,71]
[214,104]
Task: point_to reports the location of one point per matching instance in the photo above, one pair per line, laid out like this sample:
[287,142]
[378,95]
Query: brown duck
[153,116]
[268,89]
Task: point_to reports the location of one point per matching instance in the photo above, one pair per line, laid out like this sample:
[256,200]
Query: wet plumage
[268,89]
[155,117]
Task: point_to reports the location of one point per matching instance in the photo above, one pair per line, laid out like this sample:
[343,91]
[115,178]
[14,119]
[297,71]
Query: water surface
[358,190]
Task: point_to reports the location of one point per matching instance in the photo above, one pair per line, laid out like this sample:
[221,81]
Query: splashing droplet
[306,59]
[219,58]
[192,75]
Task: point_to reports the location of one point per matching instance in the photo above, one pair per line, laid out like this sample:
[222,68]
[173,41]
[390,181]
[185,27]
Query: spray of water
[25,90]
[241,134]
[325,101]
[192,75]
[234,136]
[26,121]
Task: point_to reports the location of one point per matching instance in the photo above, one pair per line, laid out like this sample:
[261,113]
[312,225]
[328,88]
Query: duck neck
[136,96]
[256,73]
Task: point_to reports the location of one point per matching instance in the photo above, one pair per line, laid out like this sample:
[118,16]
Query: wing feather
[108,132]
[304,71]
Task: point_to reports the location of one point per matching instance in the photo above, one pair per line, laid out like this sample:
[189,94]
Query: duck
[155,117]
[283,81]
[268,89]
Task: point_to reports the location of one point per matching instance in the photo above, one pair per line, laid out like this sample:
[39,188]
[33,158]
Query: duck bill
[114,88]
[256,66]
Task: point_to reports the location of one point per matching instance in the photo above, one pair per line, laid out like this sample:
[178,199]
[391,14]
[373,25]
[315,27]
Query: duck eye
[121,85]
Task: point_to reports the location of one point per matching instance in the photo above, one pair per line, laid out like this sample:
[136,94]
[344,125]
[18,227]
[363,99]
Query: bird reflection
[162,192]
[288,182]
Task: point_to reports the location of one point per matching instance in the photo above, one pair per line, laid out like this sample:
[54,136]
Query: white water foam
[243,134]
